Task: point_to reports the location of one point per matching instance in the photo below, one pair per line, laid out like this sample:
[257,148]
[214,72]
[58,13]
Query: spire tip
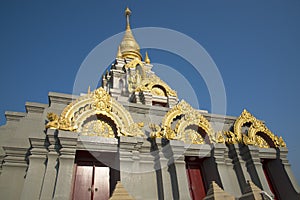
[147,59]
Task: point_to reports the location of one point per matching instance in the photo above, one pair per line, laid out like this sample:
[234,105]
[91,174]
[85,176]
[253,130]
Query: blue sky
[255,45]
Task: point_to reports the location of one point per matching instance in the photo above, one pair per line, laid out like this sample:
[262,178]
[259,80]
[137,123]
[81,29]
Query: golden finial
[119,54]
[129,47]
[89,89]
[127,14]
[147,59]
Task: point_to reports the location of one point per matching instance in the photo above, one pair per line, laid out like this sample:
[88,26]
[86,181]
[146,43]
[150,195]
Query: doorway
[93,180]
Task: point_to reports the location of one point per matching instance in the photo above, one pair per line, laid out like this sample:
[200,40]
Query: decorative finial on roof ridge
[119,54]
[147,59]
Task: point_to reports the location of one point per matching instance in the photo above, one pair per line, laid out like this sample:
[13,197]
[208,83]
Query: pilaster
[129,164]
[163,154]
[176,168]
[254,167]
[239,167]
[13,172]
[150,171]
[68,142]
[51,168]
[228,180]
[35,173]
[287,166]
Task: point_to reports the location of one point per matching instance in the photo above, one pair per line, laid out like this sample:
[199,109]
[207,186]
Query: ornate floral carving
[156,131]
[53,121]
[252,137]
[156,91]
[220,138]
[98,128]
[149,83]
[188,117]
[101,100]
[279,142]
[192,136]
[133,63]
[98,102]
[231,138]
[56,122]
[133,130]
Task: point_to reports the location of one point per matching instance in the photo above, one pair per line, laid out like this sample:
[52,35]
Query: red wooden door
[101,183]
[91,182]
[195,177]
[83,182]
[197,190]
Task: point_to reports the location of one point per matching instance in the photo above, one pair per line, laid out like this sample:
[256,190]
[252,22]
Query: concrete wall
[39,164]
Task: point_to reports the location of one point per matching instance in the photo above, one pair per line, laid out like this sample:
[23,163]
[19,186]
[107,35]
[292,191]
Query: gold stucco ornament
[133,130]
[56,122]
[88,113]
[101,100]
[98,128]
[156,131]
[257,133]
[187,124]
[156,86]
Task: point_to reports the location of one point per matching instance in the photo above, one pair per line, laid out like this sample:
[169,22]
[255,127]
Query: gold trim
[134,63]
[257,135]
[182,131]
[147,85]
[101,100]
[97,102]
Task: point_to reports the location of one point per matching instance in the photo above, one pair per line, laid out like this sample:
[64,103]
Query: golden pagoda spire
[147,59]
[129,48]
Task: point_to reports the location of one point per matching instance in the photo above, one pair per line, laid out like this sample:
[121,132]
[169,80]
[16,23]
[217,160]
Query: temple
[132,138]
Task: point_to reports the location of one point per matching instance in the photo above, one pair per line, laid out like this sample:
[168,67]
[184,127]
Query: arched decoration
[133,63]
[258,134]
[157,90]
[99,125]
[149,83]
[94,104]
[191,127]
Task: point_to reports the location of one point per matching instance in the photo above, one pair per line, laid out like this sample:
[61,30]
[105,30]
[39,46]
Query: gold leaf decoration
[98,128]
[101,100]
[258,134]
[149,83]
[188,117]
[56,122]
[133,130]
